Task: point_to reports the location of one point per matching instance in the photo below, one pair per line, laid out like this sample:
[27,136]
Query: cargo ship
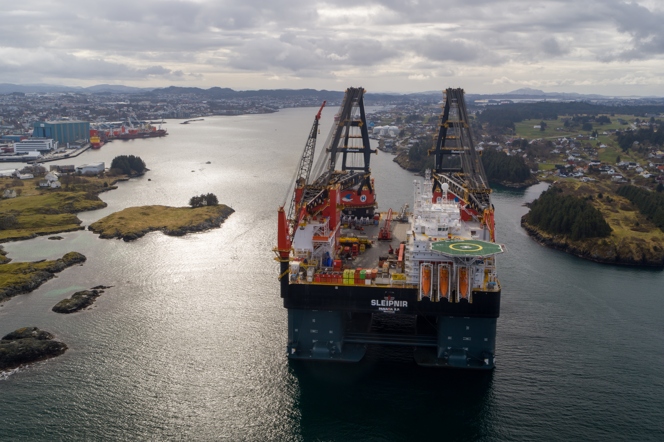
[344,266]
[97,138]
[126,133]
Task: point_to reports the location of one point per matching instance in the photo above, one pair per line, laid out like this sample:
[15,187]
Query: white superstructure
[448,252]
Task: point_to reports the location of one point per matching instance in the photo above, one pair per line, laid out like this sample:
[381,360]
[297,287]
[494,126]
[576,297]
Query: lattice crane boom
[304,168]
[457,162]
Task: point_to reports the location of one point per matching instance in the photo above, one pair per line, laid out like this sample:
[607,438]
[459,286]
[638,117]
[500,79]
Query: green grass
[55,202]
[525,128]
[607,155]
[139,220]
[46,213]
[618,212]
[633,239]
[546,166]
[15,275]
[41,211]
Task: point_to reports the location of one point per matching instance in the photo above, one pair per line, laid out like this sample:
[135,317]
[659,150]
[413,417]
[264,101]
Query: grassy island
[633,239]
[24,277]
[134,222]
[40,211]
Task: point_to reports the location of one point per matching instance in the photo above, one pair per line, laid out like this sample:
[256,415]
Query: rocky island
[79,300]
[134,222]
[593,222]
[26,345]
[24,277]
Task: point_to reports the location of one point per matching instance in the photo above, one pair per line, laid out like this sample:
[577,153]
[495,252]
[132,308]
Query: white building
[93,168]
[50,180]
[8,173]
[9,193]
[35,144]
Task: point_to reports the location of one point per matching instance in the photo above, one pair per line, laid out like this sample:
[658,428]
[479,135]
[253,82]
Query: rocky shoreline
[27,345]
[600,250]
[529,182]
[18,278]
[32,235]
[402,160]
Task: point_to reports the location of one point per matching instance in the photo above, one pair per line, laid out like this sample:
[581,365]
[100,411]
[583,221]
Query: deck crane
[385,233]
[303,171]
[289,221]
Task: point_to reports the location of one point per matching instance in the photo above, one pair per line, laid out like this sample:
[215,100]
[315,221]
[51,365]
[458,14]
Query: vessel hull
[329,323]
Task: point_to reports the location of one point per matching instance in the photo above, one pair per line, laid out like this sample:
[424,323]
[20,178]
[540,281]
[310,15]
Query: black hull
[333,323]
[375,299]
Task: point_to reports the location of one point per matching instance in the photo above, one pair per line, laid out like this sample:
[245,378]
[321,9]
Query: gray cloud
[271,43]
[551,46]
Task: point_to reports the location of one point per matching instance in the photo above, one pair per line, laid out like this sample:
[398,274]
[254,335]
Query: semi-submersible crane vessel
[343,263]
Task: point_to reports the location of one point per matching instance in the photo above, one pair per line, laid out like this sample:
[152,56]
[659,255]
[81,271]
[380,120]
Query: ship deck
[379,249]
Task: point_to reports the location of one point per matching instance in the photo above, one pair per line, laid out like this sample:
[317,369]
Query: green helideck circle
[466,247]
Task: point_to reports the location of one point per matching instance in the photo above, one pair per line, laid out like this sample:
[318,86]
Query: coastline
[55,212]
[634,252]
[58,209]
[600,250]
[529,182]
[24,277]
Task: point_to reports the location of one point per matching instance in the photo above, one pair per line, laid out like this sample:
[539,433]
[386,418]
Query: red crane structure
[385,233]
[297,208]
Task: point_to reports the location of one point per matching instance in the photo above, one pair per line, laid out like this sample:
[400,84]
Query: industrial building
[35,145]
[12,138]
[64,132]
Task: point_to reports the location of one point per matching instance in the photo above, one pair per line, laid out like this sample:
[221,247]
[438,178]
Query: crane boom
[304,168]
[457,162]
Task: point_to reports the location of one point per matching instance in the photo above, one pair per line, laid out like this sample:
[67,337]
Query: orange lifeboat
[426,280]
[463,282]
[443,281]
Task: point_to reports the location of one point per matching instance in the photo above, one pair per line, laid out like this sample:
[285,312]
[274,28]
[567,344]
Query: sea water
[190,341]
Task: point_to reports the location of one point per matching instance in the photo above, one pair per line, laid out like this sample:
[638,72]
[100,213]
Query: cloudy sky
[610,47]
